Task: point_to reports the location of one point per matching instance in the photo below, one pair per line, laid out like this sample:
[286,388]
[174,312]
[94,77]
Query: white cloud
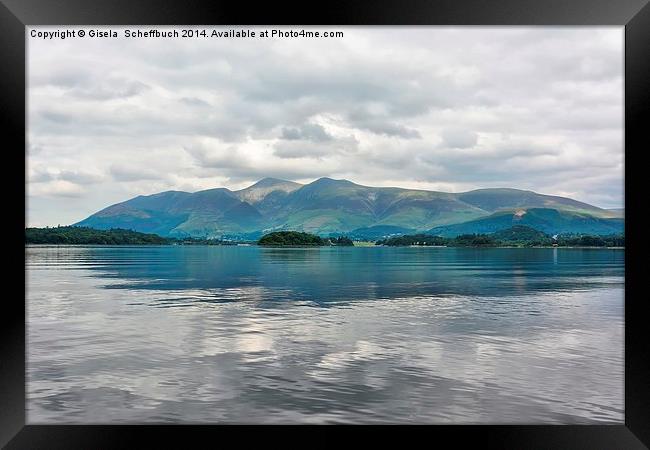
[56,188]
[459,138]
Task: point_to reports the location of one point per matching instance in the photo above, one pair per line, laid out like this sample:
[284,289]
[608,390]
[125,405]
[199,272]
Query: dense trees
[293,238]
[614,240]
[90,236]
[414,239]
[522,234]
[517,236]
[474,240]
[425,240]
[116,236]
[341,241]
[299,239]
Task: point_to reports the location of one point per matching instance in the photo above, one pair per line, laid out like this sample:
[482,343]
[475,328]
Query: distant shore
[513,237]
[318,246]
[502,246]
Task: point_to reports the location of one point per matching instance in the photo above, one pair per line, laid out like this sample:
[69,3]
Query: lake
[233,334]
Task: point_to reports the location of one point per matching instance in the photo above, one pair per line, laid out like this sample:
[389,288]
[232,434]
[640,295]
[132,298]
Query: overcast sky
[450,109]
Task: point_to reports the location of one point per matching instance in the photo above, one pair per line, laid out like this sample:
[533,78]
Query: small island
[301,239]
[290,238]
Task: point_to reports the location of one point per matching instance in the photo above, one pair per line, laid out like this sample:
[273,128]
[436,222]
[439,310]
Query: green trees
[342,241]
[613,240]
[414,239]
[74,235]
[89,236]
[516,236]
[474,240]
[523,235]
[299,239]
[291,238]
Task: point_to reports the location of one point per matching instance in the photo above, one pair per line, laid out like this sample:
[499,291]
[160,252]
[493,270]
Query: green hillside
[549,221]
[493,200]
[333,207]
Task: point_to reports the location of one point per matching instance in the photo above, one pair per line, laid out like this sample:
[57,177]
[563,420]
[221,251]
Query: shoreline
[314,246]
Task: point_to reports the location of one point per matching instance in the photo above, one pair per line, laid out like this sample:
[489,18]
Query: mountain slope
[331,206]
[267,195]
[327,206]
[203,213]
[493,200]
[549,221]
[147,214]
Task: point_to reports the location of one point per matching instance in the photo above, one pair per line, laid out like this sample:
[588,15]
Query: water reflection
[248,334]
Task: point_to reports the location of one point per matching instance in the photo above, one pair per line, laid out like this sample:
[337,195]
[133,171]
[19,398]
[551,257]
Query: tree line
[517,236]
[496,240]
[72,235]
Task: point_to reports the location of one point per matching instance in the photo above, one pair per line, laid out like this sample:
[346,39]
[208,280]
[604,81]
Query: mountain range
[333,207]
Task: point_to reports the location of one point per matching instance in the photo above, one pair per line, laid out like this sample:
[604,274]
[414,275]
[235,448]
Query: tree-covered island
[301,239]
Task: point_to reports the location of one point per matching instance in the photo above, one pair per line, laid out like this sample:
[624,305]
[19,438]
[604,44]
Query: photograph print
[325,225]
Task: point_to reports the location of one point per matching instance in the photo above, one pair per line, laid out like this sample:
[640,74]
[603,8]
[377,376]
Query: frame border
[15,15]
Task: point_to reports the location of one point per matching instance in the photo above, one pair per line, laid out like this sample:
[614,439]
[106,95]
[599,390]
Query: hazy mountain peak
[269,181]
[163,194]
[258,191]
[324,181]
[497,189]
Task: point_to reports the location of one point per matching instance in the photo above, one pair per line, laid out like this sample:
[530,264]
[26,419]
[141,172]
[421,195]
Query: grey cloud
[79,82]
[67,193]
[126,173]
[66,77]
[57,189]
[41,176]
[308,131]
[459,138]
[380,123]
[193,101]
[34,149]
[313,142]
[386,128]
[110,90]
[304,149]
[230,161]
[79,177]
[56,117]
[225,158]
[256,173]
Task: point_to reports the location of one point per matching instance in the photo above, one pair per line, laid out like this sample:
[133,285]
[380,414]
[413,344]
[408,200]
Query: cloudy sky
[450,109]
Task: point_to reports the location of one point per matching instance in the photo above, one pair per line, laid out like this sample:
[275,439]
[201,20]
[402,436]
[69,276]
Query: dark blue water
[324,335]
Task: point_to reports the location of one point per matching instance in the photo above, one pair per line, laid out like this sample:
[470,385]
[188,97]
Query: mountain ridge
[329,206]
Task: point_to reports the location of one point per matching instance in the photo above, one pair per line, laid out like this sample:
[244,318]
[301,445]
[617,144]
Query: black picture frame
[15,15]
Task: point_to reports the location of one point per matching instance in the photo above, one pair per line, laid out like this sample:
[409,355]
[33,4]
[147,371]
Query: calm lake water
[324,335]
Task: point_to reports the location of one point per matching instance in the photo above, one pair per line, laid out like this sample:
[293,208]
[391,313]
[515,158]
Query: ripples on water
[324,335]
